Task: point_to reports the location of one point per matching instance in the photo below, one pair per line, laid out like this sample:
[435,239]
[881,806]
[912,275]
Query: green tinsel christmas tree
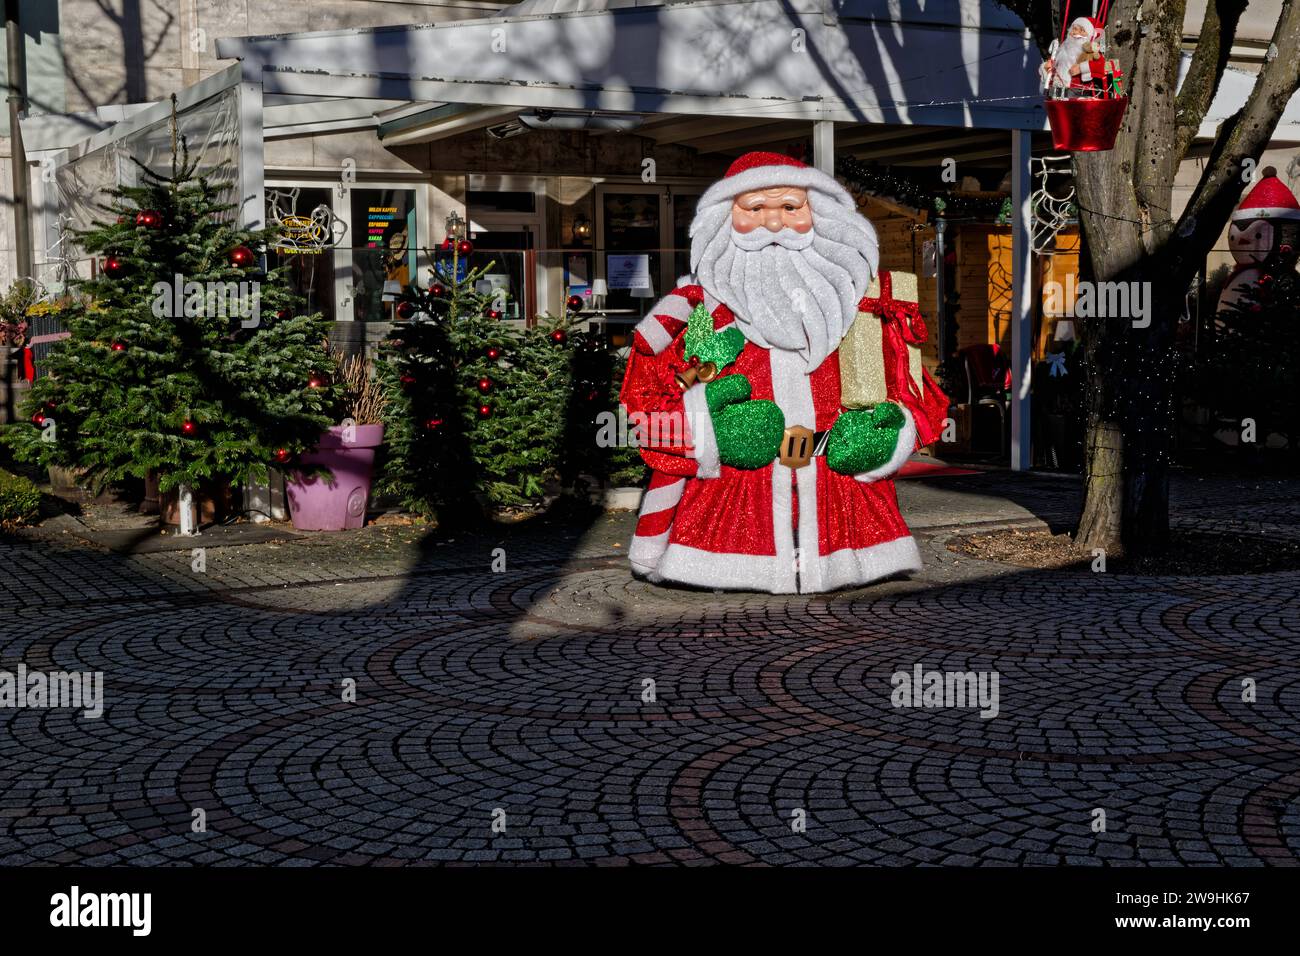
[185,358]
[477,408]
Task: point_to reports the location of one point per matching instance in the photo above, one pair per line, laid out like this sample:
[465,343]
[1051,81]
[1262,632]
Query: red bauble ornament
[494,353]
[447,244]
[433,424]
[464,247]
[494,313]
[559,336]
[118,347]
[148,218]
[38,418]
[315,382]
[1265,280]
[405,309]
[407,379]
[485,385]
[284,314]
[484,411]
[188,427]
[1285,249]
[438,290]
[114,267]
[282,455]
[241,256]
[575,303]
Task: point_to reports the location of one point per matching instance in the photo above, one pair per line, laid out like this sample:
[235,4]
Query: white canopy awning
[949,63]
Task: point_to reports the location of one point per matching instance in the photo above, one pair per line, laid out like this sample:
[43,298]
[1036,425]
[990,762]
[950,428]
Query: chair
[988,377]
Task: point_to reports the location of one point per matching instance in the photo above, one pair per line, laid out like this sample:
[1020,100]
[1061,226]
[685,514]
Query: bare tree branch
[1208,63]
[1038,16]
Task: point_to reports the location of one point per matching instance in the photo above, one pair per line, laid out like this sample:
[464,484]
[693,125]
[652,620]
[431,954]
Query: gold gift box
[862,353]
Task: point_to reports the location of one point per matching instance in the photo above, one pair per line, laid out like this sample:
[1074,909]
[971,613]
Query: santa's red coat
[774,528]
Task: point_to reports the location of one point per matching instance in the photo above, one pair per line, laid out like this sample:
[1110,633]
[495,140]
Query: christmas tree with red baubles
[185,357]
[476,409]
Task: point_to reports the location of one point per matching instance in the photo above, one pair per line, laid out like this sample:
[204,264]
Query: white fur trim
[739,572]
[902,451]
[767,177]
[792,391]
[646,551]
[654,333]
[1265,212]
[699,426]
[851,567]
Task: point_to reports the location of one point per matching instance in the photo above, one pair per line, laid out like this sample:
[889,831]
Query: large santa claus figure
[772,484]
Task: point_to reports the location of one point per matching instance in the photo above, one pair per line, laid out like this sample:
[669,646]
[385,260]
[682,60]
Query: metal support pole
[1022,314]
[824,146]
[940,291]
[15,50]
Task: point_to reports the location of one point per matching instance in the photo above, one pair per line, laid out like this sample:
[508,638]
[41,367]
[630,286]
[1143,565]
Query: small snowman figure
[1264,238]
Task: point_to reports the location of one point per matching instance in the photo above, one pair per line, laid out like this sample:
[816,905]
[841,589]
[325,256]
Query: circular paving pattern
[562,712]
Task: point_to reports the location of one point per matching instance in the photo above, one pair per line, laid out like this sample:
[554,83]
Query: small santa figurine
[1264,238]
[773,484]
[1078,64]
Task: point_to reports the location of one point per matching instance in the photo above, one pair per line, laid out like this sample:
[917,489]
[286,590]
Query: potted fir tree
[186,357]
[330,489]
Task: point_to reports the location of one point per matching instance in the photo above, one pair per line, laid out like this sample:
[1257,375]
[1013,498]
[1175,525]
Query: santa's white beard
[787,290]
[1067,55]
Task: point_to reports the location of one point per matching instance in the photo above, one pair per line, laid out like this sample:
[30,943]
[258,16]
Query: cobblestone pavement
[517,697]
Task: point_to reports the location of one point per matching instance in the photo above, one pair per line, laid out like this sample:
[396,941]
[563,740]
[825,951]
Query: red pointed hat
[761,170]
[1270,199]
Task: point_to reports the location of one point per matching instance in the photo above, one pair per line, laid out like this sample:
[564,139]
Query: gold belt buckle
[796,446]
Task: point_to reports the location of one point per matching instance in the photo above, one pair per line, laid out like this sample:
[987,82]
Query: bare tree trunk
[1132,235]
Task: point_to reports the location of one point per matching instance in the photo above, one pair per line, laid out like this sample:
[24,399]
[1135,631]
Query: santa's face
[1080,32]
[782,207]
[791,264]
[1250,241]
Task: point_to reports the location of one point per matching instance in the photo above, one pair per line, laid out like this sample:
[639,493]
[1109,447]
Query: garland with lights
[888,183]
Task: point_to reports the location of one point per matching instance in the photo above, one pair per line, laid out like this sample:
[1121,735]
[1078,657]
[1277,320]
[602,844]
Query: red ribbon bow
[902,325]
[907,315]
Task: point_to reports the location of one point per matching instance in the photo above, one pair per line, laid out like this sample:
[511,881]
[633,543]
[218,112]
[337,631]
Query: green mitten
[748,432]
[864,439]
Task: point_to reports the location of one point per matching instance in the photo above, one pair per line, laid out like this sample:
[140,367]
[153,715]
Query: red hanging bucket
[1085,125]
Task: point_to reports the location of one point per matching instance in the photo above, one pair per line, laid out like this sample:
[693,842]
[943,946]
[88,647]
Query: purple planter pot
[339,501]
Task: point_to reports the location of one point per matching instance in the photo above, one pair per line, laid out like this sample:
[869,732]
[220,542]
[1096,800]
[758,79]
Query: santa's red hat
[768,170]
[1270,199]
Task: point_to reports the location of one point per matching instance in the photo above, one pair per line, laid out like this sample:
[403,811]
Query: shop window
[383,247]
[309,221]
[632,248]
